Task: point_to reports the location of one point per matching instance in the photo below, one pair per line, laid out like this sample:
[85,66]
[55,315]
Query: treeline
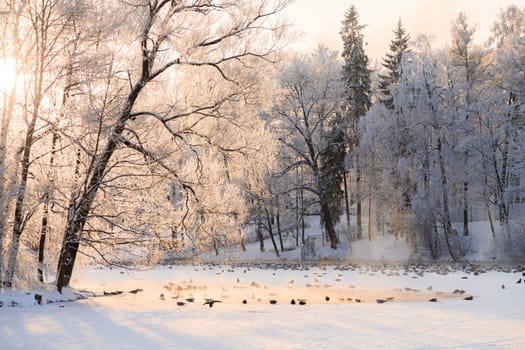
[134,131]
[420,144]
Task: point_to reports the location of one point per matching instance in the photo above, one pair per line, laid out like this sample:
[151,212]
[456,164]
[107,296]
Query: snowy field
[151,318]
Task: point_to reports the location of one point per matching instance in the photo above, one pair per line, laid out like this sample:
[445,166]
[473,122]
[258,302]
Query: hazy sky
[320,20]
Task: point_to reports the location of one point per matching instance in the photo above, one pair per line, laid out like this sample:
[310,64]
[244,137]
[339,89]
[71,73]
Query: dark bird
[358,300]
[433,300]
[135,291]
[181,303]
[502,286]
[302,301]
[245,301]
[117,292]
[518,281]
[380,301]
[190,300]
[292,302]
[161,296]
[273,301]
[469,298]
[327,298]
[210,302]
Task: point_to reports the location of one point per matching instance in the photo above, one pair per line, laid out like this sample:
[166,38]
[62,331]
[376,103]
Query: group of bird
[520,281]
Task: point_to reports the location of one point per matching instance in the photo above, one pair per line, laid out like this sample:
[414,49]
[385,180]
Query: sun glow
[7,74]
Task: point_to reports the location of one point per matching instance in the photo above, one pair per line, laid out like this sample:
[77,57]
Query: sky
[320,21]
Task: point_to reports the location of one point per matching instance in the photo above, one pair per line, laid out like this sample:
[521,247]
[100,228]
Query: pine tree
[392,63]
[356,79]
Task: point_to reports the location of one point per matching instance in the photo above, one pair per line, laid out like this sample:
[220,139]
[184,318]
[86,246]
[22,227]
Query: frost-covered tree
[220,42]
[46,23]
[306,112]
[467,67]
[357,85]
[501,121]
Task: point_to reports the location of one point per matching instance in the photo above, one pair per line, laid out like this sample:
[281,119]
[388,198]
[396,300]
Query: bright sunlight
[7,74]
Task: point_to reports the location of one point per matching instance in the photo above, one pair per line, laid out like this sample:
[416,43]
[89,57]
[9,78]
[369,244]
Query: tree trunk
[270,231]
[347,201]
[503,185]
[370,217]
[302,216]
[18,222]
[447,222]
[358,199]
[328,223]
[279,230]
[215,248]
[260,233]
[465,209]
[42,242]
[297,218]
[80,209]
[45,214]
[241,240]
[490,220]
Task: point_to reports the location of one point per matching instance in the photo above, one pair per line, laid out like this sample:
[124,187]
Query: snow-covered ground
[378,303]
[152,319]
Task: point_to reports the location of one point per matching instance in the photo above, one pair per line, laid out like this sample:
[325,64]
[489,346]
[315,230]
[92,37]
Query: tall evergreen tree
[356,80]
[392,63]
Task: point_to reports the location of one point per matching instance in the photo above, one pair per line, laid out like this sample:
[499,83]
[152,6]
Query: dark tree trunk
[370,217]
[18,222]
[42,242]
[347,200]
[358,201]
[329,224]
[270,231]
[45,213]
[491,221]
[279,230]
[260,233]
[465,209]
[455,252]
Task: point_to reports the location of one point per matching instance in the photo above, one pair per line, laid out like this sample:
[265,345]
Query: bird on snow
[518,281]
[210,302]
[190,300]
